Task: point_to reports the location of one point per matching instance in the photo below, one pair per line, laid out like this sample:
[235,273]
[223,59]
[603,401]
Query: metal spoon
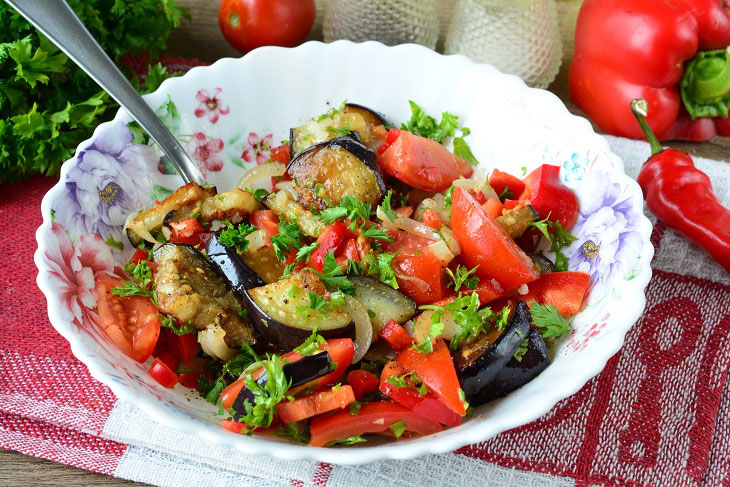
[59,23]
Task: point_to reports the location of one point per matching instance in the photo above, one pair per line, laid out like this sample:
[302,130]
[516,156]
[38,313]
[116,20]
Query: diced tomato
[132,323]
[414,259]
[187,232]
[190,380]
[549,196]
[405,211]
[267,221]
[511,204]
[330,238]
[486,244]
[427,405]
[431,219]
[494,207]
[163,374]
[396,336]
[280,154]
[187,346]
[139,256]
[316,403]
[362,382]
[422,163]
[479,196]
[374,417]
[499,181]
[232,426]
[436,370]
[564,290]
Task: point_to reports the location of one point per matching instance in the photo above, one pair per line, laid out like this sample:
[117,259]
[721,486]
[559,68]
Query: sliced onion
[363,327]
[422,325]
[212,342]
[468,184]
[255,174]
[255,240]
[139,228]
[441,251]
[450,239]
[408,224]
[287,186]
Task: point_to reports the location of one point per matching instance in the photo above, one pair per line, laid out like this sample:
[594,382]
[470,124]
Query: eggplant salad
[366,280]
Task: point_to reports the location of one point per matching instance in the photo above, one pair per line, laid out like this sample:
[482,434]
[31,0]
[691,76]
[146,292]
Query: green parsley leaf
[355,407]
[398,428]
[375,233]
[287,271]
[305,252]
[521,350]
[543,227]
[548,320]
[561,262]
[261,413]
[503,318]
[331,215]
[142,282]
[346,130]
[448,197]
[426,126]
[316,303]
[209,390]
[235,236]
[524,170]
[506,194]
[333,277]
[560,237]
[462,149]
[167,322]
[111,242]
[288,238]
[298,431]
[465,312]
[390,214]
[426,345]
[311,344]
[462,278]
[240,362]
[347,441]
[332,112]
[258,193]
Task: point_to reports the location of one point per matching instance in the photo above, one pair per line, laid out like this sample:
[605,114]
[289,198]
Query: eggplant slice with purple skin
[229,263]
[516,373]
[300,372]
[382,301]
[360,120]
[479,363]
[326,172]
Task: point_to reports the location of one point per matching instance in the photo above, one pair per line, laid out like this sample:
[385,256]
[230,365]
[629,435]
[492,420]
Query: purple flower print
[109,182]
[608,240]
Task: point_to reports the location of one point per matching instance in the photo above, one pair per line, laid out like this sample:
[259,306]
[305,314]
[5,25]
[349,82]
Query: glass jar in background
[388,21]
[519,37]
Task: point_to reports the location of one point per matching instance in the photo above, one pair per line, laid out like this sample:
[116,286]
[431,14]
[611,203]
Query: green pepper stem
[707,77]
[640,109]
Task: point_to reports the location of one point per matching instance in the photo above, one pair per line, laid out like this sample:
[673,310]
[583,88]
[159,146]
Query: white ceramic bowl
[230,113]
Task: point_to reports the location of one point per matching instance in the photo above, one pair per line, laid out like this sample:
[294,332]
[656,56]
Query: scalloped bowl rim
[476,430]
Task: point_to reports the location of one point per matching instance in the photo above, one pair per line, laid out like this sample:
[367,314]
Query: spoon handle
[59,23]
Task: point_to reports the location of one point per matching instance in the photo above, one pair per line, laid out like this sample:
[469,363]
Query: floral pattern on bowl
[231,114]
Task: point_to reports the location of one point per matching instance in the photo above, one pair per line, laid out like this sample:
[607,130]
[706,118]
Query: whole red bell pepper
[628,49]
[681,195]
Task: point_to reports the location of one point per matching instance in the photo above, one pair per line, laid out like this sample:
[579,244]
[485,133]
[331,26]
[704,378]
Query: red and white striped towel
[659,414]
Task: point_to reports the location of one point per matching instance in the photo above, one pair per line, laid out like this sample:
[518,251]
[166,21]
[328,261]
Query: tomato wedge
[420,162]
[564,290]
[427,406]
[414,259]
[486,244]
[131,322]
[549,196]
[437,371]
[362,382]
[316,403]
[374,417]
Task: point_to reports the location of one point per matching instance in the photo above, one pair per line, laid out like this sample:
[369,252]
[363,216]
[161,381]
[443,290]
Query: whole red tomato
[248,24]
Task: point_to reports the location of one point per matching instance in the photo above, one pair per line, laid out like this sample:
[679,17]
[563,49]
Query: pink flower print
[210,105]
[259,148]
[581,343]
[74,268]
[205,152]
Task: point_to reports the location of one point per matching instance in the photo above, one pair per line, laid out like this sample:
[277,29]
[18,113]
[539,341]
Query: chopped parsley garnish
[462,149]
[320,305]
[390,214]
[289,238]
[470,320]
[298,431]
[112,242]
[235,236]
[346,130]
[287,271]
[426,345]
[53,215]
[521,350]
[355,407]
[141,284]
[311,344]
[333,277]
[261,413]
[461,278]
[169,323]
[332,112]
[398,428]
[448,197]
[408,381]
[258,193]
[559,238]
[305,252]
[234,367]
[350,208]
[347,441]
[375,233]
[506,194]
[548,320]
[561,262]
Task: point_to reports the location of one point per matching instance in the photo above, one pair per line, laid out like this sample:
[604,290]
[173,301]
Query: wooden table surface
[202,39]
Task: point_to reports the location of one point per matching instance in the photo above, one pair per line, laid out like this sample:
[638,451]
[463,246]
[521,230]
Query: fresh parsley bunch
[47,104]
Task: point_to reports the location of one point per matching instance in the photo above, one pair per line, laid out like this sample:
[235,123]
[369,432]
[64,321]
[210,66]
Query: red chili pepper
[550,197]
[628,49]
[681,195]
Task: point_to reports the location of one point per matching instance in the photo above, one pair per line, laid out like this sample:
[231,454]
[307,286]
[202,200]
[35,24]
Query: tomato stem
[640,109]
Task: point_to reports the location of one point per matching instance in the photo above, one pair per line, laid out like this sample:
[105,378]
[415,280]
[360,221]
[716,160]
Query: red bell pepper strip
[374,417]
[316,403]
[363,382]
[564,290]
[486,244]
[396,336]
[681,196]
[427,405]
[436,370]
[550,197]
[431,219]
[494,207]
[187,232]
[267,221]
[163,374]
[628,49]
[499,181]
[330,238]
